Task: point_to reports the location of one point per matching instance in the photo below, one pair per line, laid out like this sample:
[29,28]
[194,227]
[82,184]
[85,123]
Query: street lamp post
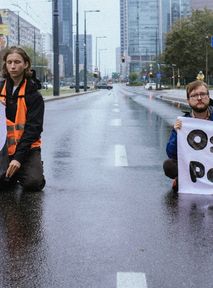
[77,52]
[55,49]
[173,75]
[18,20]
[96,48]
[85,47]
[207,68]
[99,60]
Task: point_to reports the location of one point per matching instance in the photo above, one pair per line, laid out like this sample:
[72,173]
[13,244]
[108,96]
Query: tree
[187,43]
[41,63]
[133,76]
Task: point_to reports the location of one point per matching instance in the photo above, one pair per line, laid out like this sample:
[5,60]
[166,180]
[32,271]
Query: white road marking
[117,110]
[120,156]
[116,104]
[131,280]
[115,122]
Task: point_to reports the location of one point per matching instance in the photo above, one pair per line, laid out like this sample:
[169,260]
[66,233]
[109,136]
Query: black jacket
[34,117]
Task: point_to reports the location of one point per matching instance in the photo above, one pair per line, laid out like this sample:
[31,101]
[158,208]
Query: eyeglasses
[202,95]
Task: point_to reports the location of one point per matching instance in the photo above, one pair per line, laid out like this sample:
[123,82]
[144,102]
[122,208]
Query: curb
[53,98]
[177,102]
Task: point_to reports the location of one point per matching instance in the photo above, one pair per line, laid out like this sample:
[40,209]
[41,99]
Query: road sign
[212,41]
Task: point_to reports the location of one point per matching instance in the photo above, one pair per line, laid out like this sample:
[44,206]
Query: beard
[200,109]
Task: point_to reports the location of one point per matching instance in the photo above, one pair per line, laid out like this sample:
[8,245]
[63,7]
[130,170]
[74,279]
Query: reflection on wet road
[106,218]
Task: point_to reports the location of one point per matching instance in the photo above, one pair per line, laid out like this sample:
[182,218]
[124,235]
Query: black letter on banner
[197,145]
[211,148]
[210,175]
[193,171]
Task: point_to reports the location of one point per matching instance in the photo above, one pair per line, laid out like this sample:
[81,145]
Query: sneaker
[175,185]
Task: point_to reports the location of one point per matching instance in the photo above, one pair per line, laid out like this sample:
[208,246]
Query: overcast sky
[105,23]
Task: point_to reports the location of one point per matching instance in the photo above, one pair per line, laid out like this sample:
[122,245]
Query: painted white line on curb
[120,156]
[115,122]
[131,280]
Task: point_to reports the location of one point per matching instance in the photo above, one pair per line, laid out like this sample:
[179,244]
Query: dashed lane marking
[131,280]
[117,110]
[120,156]
[115,122]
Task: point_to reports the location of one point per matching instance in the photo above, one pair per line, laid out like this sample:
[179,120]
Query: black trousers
[30,175]
[170,168]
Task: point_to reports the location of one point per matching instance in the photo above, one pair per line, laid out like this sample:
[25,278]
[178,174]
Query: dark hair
[195,84]
[35,79]
[23,54]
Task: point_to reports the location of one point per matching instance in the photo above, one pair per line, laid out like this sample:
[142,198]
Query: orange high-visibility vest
[16,129]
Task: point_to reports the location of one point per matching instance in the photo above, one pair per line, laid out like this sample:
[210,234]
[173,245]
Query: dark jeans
[30,175]
[170,168]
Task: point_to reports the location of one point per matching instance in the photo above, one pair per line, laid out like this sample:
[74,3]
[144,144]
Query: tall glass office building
[201,4]
[143,30]
[66,35]
[144,25]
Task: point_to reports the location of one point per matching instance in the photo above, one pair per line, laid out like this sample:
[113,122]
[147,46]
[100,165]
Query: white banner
[3,129]
[195,156]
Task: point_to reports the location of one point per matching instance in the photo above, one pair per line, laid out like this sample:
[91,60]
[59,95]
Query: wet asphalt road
[107,207]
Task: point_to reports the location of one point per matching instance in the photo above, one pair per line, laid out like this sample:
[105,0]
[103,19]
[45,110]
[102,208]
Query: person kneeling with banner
[199,102]
[24,108]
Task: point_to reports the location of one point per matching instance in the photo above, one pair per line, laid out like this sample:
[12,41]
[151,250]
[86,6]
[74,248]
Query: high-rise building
[170,12]
[201,4]
[123,27]
[143,31]
[66,35]
[81,51]
[19,31]
[144,25]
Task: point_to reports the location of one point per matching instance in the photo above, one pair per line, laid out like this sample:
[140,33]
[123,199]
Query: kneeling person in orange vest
[24,117]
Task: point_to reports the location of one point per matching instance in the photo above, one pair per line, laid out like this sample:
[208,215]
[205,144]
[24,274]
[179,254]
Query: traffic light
[95,74]
[122,59]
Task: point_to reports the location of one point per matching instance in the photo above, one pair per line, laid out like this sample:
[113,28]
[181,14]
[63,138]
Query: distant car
[46,85]
[72,85]
[81,86]
[150,86]
[104,86]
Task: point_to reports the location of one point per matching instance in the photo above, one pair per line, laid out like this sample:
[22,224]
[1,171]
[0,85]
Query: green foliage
[115,75]
[133,76]
[187,43]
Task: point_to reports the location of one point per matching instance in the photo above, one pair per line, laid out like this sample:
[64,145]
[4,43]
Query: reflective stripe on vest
[15,130]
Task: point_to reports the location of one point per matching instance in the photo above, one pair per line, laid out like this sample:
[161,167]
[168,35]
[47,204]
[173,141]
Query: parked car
[150,86]
[46,85]
[103,86]
[81,86]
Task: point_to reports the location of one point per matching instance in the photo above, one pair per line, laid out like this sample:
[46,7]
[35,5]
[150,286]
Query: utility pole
[18,28]
[77,53]
[207,68]
[85,46]
[55,49]
[34,48]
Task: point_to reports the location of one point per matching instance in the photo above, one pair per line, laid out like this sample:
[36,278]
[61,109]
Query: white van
[150,86]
